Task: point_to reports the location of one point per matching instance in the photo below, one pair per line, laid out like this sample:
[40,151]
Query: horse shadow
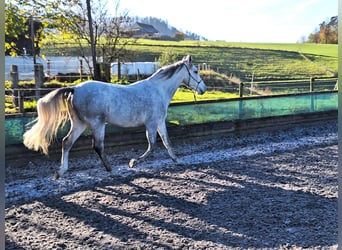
[244,213]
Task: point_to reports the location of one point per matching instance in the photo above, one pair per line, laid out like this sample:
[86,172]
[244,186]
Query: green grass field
[263,61]
[185,95]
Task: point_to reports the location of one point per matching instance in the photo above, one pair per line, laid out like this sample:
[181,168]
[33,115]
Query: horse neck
[169,86]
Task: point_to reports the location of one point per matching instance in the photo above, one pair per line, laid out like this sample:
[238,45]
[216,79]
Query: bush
[214,79]
[167,57]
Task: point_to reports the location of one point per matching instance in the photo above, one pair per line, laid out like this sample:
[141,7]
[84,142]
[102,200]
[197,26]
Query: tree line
[326,33]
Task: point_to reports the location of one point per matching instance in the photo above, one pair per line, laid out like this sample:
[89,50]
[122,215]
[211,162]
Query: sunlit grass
[185,95]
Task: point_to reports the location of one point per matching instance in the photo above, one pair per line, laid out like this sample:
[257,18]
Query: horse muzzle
[201,89]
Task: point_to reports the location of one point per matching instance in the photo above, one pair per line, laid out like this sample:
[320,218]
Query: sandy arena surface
[268,190]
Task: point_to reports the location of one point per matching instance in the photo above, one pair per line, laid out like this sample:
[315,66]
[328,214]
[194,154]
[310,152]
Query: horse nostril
[204,90]
[201,91]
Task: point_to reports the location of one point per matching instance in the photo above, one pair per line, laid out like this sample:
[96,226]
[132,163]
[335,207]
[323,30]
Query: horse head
[194,81]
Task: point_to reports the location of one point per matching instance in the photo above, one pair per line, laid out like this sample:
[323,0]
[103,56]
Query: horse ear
[188,58]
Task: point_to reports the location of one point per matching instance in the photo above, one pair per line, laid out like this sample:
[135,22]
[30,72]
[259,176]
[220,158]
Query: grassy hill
[263,61]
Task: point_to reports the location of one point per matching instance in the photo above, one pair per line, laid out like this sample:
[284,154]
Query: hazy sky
[238,21]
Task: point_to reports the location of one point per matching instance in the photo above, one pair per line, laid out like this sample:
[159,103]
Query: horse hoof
[57,175]
[132,163]
[177,162]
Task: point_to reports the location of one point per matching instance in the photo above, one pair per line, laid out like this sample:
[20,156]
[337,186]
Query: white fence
[52,65]
[134,68]
[60,64]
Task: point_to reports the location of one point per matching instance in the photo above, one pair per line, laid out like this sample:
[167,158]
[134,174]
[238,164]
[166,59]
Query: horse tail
[52,112]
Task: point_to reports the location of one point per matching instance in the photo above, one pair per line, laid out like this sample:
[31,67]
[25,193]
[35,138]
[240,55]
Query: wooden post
[104,71]
[81,69]
[241,89]
[312,80]
[14,75]
[138,75]
[48,67]
[38,78]
[119,70]
[21,101]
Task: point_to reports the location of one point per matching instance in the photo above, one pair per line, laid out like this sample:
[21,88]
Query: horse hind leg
[98,144]
[151,135]
[76,129]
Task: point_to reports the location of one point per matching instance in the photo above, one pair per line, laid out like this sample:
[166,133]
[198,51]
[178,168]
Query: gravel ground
[269,190]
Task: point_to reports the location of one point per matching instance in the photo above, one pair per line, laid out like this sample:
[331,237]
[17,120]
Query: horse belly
[125,117]
[123,121]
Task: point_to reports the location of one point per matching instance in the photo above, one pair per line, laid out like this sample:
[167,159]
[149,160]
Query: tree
[87,23]
[327,32]
[116,35]
[92,41]
[333,24]
[22,32]
[90,25]
[179,36]
[14,25]
[167,57]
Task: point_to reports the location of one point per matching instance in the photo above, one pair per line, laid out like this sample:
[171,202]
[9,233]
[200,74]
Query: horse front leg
[151,135]
[98,144]
[162,131]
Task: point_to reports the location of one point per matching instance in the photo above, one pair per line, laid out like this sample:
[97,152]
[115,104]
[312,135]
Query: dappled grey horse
[93,104]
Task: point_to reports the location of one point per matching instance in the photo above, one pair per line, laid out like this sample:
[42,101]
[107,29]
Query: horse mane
[169,70]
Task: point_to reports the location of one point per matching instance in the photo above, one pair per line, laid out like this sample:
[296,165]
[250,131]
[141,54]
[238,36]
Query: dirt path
[267,190]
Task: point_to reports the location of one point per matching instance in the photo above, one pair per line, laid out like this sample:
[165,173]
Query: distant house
[144,30]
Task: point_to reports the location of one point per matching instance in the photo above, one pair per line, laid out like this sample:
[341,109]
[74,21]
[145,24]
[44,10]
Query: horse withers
[93,104]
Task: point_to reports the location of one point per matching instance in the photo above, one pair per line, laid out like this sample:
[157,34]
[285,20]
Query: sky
[274,21]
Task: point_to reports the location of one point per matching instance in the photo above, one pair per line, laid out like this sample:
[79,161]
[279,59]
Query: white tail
[52,113]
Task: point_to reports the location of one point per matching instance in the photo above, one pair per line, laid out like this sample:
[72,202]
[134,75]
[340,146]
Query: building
[142,30]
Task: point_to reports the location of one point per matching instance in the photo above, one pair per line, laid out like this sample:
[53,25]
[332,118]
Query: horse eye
[196,72]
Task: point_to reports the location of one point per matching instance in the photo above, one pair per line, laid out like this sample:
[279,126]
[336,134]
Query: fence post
[119,70]
[21,101]
[14,75]
[241,89]
[81,69]
[48,67]
[312,80]
[38,78]
[138,75]
[241,111]
[104,71]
